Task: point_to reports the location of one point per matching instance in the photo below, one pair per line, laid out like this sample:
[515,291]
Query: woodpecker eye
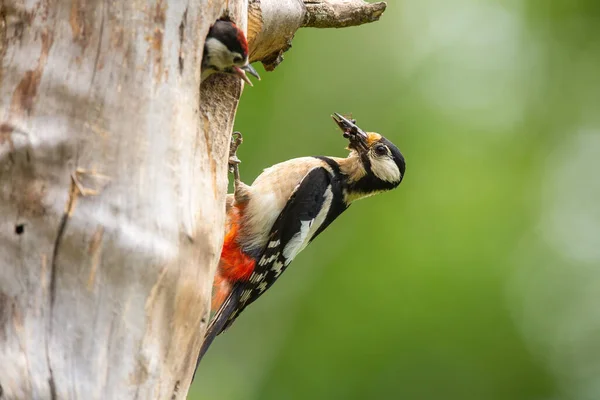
[380,150]
[237,59]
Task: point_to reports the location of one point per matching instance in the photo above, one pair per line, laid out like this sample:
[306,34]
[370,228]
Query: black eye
[237,59]
[380,150]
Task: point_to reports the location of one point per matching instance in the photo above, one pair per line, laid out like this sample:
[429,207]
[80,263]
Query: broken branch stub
[341,14]
[272,24]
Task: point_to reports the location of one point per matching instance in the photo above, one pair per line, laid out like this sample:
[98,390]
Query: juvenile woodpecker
[226,51]
[285,208]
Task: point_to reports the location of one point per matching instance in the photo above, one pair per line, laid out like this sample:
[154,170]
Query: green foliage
[419,293]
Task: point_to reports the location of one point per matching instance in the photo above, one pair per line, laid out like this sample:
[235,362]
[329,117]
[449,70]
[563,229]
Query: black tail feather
[219,322]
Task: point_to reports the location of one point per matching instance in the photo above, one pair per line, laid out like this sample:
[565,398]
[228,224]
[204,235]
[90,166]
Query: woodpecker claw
[234,161]
[240,190]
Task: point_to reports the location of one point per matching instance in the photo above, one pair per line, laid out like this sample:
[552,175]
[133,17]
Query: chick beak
[356,136]
[241,72]
[250,69]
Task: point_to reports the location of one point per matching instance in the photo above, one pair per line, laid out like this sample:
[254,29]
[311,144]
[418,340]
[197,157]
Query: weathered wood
[112,195]
[341,13]
[272,24]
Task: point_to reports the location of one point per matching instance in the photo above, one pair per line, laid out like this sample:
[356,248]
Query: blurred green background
[479,278]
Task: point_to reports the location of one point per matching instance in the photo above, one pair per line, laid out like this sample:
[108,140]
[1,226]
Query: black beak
[357,137]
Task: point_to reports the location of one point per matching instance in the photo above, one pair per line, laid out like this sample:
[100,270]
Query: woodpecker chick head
[382,164]
[226,51]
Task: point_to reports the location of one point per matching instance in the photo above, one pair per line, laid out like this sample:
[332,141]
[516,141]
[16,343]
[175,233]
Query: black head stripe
[229,35]
[370,183]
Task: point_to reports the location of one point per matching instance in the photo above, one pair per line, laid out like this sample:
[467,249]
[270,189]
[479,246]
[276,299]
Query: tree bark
[112,195]
[113,175]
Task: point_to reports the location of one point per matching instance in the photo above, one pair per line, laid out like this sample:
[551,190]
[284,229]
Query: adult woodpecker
[285,208]
[226,51]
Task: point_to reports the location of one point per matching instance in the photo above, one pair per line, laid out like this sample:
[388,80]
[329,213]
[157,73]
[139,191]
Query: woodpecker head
[381,165]
[226,51]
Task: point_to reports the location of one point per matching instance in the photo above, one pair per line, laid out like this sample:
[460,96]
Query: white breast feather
[262,213]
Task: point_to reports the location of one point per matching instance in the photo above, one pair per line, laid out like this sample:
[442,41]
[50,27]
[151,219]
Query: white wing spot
[298,241]
[262,287]
[264,261]
[307,229]
[245,295]
[277,268]
[254,278]
[273,243]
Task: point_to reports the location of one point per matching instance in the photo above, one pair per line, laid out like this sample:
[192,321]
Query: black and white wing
[314,204]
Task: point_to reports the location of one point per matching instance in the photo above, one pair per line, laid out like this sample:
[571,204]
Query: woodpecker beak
[250,69]
[241,72]
[357,137]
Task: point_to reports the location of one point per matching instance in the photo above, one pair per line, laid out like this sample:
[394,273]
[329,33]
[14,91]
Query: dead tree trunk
[112,187]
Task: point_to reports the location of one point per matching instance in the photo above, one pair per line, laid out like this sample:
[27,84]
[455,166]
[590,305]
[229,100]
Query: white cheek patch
[385,169]
[220,56]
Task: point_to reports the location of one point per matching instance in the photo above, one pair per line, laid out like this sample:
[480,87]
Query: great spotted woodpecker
[285,208]
[226,51]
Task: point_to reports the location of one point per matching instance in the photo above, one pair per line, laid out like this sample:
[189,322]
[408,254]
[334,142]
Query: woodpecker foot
[234,161]
[240,190]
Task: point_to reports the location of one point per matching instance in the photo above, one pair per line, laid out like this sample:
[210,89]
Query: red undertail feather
[234,265]
[221,289]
